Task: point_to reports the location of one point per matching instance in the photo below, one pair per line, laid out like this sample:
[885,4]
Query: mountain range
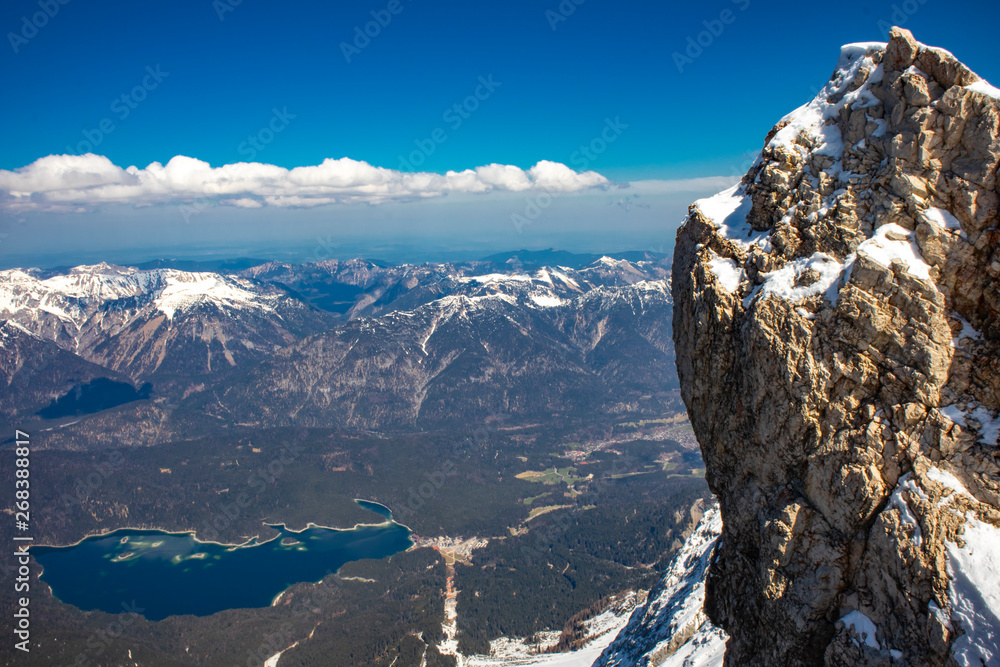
[349,343]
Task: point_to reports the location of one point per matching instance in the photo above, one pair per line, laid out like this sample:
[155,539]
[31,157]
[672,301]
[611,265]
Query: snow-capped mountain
[535,346]
[359,288]
[363,344]
[162,321]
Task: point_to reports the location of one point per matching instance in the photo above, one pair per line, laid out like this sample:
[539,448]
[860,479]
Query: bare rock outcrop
[837,330]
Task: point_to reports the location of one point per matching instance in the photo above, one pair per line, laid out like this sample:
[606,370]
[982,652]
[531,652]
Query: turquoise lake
[166,574]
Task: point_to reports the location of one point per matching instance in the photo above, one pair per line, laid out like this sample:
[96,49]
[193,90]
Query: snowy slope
[600,631]
[671,628]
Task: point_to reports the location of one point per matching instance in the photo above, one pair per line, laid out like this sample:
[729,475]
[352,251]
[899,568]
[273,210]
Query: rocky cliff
[837,331]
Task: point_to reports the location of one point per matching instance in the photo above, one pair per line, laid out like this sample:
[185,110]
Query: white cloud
[83,182]
[242,202]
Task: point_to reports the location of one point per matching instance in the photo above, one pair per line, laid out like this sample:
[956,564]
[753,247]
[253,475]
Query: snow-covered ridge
[811,118]
[553,287]
[73,296]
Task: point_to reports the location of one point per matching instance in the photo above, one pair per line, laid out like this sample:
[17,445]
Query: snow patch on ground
[600,631]
[497,278]
[706,648]
[544,301]
[186,290]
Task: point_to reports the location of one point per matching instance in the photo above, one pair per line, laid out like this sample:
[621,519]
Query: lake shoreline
[248,539]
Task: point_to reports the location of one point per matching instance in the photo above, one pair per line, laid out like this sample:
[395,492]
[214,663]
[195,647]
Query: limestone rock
[837,329]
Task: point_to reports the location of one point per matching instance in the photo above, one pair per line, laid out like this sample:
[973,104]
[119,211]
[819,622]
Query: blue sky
[271,82]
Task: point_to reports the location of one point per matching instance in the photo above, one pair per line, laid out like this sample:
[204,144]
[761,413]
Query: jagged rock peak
[837,330]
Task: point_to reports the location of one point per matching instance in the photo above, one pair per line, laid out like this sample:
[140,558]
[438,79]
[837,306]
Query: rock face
[837,331]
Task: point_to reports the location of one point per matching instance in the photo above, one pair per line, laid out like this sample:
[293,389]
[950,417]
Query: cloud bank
[85,182]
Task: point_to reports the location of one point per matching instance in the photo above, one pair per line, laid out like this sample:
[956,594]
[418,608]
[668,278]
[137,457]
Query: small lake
[94,396]
[171,573]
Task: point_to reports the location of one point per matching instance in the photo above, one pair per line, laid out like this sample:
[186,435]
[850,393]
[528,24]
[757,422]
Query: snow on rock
[728,212]
[790,282]
[989,425]
[974,570]
[892,243]
[974,593]
[942,219]
[984,88]
[862,626]
[728,273]
[968,331]
[672,626]
[811,118]
[978,419]
[898,502]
